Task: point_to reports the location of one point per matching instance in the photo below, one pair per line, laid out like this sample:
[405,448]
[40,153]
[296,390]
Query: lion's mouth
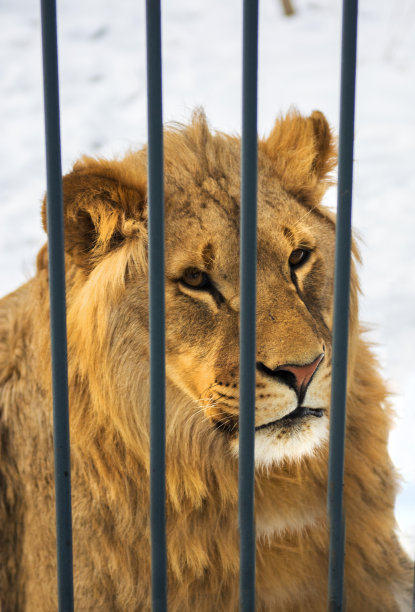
[230,426]
[293,417]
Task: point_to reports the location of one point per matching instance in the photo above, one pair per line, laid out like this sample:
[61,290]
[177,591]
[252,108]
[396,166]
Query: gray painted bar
[341,307]
[57,308]
[157,308]
[248,306]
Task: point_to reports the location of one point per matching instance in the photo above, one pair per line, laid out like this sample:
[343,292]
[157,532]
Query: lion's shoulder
[15,327]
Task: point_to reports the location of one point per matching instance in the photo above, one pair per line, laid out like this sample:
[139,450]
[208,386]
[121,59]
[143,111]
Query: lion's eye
[195,278]
[298,257]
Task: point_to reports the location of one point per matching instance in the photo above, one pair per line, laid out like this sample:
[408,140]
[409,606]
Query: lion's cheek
[189,374]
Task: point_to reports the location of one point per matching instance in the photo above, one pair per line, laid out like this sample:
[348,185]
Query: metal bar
[57,308]
[341,307]
[157,308]
[248,306]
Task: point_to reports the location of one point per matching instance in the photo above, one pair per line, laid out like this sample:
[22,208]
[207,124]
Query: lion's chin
[274,444]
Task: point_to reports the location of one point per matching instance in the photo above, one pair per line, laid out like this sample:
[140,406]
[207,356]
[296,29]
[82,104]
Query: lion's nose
[295,376]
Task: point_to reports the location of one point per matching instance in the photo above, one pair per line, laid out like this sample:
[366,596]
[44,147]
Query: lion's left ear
[304,154]
[104,205]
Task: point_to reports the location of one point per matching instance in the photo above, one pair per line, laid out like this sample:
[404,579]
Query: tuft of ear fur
[103,206]
[303,153]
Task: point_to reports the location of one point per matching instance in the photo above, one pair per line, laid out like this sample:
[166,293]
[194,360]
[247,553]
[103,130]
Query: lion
[105,217]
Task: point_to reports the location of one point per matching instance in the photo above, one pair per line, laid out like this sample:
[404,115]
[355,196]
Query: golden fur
[107,302]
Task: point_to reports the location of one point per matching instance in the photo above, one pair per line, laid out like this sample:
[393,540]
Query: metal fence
[156,292]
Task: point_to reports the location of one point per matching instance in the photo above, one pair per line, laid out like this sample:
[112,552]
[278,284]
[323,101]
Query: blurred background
[103,113]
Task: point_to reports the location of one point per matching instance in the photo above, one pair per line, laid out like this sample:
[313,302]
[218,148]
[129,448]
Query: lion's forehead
[203,231]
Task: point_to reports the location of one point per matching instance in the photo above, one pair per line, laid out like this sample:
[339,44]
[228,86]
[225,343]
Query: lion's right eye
[298,257]
[195,278]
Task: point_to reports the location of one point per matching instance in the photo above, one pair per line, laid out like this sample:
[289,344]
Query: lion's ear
[304,154]
[103,207]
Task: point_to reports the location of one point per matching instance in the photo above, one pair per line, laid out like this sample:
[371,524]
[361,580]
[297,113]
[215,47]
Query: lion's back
[22,435]
[11,488]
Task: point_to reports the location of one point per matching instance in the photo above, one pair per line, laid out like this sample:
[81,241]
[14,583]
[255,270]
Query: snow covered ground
[103,107]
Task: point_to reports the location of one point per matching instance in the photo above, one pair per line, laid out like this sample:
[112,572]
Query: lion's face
[294,288]
[294,277]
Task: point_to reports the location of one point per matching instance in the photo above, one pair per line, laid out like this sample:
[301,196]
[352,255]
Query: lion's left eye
[298,257]
[195,278]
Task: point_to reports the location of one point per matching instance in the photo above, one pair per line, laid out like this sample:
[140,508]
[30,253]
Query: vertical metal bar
[248,306]
[57,308]
[157,308]
[341,306]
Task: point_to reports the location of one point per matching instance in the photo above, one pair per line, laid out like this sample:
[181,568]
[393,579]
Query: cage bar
[57,308]
[341,306]
[157,308]
[248,306]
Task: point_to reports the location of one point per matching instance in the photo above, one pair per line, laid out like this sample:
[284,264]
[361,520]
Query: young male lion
[106,248]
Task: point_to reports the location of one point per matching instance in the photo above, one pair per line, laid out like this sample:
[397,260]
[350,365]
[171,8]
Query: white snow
[103,112]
